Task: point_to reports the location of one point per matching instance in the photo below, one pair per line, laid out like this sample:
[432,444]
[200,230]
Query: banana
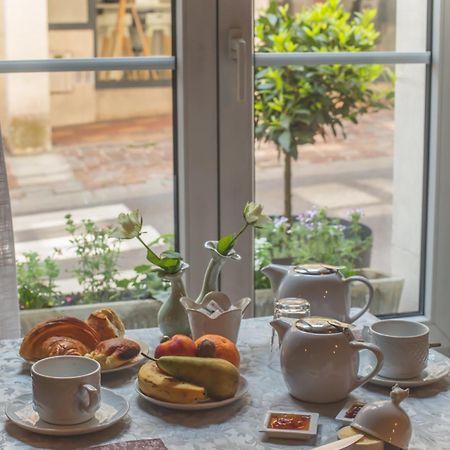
[154,383]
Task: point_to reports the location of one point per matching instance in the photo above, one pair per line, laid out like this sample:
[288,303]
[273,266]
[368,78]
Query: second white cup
[404,345]
[66,389]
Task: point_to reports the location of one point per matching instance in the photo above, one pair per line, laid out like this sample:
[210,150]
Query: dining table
[234,426]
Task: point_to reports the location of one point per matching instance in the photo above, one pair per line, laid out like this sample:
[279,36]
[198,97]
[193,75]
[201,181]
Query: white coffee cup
[66,389]
[404,345]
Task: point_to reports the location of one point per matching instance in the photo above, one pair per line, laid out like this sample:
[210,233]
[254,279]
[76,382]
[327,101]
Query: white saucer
[113,408]
[437,368]
[209,404]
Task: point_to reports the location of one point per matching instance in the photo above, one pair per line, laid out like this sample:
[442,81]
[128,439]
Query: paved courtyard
[98,170]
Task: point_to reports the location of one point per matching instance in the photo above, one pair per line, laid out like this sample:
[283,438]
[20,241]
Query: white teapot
[326,290]
[319,359]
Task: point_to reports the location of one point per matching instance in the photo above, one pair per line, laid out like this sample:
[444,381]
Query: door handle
[237,48]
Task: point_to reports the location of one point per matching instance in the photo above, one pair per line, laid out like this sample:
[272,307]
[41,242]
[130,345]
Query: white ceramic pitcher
[319,359]
[326,290]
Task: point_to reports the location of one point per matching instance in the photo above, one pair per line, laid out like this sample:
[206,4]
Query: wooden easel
[120,44]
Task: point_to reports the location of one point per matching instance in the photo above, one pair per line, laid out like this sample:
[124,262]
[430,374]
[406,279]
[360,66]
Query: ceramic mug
[66,389]
[404,345]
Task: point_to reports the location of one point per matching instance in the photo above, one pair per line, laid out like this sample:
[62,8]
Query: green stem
[236,237]
[147,247]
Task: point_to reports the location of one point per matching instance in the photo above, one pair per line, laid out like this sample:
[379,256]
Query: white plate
[209,404]
[132,363]
[112,409]
[291,434]
[437,368]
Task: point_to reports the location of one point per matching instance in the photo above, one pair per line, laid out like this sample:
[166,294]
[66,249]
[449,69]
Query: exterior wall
[27,104]
[75,100]
[133,102]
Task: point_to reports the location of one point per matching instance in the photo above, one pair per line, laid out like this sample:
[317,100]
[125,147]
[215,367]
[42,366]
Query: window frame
[205,145]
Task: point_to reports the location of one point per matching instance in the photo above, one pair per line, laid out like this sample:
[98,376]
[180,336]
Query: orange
[215,346]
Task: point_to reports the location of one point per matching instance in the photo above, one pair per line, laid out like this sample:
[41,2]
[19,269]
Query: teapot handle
[358,346]
[365,281]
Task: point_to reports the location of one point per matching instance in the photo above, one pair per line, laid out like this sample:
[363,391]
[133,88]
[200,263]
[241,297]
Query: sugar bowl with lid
[319,359]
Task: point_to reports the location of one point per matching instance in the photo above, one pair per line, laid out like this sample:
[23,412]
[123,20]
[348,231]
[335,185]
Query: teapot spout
[281,327]
[275,273]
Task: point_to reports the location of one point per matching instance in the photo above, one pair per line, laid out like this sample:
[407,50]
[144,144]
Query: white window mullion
[197,133]
[236,137]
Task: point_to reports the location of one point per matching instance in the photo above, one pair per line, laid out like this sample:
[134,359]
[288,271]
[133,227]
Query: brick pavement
[124,152]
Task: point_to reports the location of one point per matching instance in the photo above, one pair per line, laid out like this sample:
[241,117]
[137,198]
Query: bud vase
[211,278]
[172,317]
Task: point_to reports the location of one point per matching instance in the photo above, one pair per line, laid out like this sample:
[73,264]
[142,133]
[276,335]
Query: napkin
[141,444]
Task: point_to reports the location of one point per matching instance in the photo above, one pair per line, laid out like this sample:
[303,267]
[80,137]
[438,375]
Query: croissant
[107,323]
[32,347]
[61,345]
[115,352]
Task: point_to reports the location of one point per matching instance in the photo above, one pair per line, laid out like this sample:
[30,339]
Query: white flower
[253,214]
[129,225]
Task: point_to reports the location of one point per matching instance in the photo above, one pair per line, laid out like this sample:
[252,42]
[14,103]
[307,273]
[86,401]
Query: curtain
[9,304]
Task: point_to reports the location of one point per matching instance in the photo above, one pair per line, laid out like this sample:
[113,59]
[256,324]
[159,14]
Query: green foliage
[97,256]
[36,281]
[296,104]
[96,271]
[312,238]
[146,282]
[263,257]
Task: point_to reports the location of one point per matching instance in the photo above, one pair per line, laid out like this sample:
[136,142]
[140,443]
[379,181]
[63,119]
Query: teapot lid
[322,325]
[316,269]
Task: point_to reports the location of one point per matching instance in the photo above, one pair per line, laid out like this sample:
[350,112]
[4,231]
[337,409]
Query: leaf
[284,140]
[153,258]
[225,244]
[142,268]
[170,265]
[123,283]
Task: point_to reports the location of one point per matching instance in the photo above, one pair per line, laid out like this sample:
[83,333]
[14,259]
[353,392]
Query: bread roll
[33,348]
[107,324]
[115,352]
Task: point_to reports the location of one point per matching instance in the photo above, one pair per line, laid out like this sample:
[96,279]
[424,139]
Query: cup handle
[358,346]
[94,397]
[365,281]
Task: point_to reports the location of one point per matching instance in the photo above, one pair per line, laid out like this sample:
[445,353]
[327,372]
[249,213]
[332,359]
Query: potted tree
[294,105]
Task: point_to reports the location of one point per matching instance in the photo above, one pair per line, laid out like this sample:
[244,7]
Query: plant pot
[264,302]
[387,292]
[134,313]
[366,232]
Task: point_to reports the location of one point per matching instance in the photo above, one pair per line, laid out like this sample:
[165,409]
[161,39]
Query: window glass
[356,134]
[75,160]
[142,28]
[400,25]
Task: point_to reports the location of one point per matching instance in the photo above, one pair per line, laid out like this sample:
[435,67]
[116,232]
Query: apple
[177,345]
